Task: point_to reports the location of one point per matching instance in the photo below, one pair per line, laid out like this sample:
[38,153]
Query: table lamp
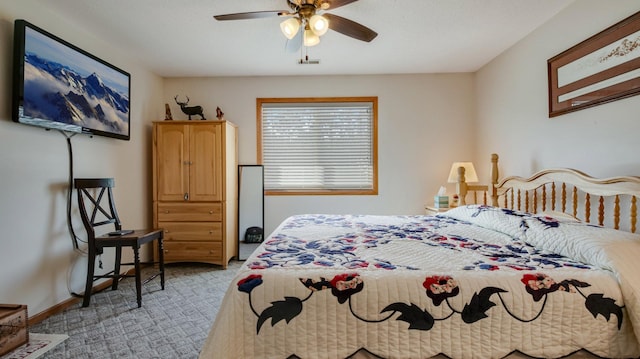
[469,174]
[463,173]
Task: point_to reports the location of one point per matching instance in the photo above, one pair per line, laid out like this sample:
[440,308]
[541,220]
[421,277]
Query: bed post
[494,179]
[461,187]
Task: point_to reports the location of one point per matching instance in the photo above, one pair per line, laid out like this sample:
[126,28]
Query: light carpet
[172,323]
[38,345]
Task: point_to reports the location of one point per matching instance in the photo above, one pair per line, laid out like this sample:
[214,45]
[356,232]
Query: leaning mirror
[250,209]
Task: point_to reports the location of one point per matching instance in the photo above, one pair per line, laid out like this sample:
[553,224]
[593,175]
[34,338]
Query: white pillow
[559,216]
[588,243]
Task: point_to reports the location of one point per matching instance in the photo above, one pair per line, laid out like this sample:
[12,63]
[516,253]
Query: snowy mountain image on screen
[56,92]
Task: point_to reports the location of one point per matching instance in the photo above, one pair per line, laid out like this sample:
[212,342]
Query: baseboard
[60,307]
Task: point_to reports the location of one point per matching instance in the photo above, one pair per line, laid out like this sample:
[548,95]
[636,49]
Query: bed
[548,268]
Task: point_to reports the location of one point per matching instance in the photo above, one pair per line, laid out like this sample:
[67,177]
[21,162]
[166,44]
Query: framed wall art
[601,69]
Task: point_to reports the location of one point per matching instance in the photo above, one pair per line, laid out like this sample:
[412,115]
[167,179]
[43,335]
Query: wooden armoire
[195,190]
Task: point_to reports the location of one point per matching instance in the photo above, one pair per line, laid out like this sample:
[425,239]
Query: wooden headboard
[609,202]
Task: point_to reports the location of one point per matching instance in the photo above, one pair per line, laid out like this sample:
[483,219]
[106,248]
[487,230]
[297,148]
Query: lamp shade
[469,172]
[290,27]
[310,38]
[319,25]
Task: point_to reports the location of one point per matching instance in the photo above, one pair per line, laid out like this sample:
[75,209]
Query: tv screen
[59,86]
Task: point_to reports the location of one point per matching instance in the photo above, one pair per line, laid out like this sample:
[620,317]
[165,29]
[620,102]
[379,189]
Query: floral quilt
[474,282]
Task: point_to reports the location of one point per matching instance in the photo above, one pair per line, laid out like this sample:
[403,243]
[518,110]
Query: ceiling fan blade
[350,28]
[249,15]
[333,4]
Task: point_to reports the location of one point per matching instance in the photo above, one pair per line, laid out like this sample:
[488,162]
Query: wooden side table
[432,211]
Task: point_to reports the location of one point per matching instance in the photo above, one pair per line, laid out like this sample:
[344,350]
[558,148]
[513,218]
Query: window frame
[313,100]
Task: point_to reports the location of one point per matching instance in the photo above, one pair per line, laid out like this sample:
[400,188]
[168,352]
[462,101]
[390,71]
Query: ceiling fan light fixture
[310,38]
[290,27]
[310,15]
[319,24]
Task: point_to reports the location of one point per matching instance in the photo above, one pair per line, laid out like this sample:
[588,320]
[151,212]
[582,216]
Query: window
[318,145]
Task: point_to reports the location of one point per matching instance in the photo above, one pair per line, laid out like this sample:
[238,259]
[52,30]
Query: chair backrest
[96,209]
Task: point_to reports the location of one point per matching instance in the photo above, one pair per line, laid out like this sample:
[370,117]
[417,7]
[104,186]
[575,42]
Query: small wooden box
[13,327]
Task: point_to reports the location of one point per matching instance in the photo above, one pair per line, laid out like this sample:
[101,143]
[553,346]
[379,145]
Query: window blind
[318,146]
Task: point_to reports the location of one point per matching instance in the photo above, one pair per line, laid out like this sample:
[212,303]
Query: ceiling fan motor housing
[295,5]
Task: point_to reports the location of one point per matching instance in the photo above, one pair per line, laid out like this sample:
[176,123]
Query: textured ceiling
[176,38]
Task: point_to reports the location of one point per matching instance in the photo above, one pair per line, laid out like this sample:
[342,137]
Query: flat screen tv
[58,86]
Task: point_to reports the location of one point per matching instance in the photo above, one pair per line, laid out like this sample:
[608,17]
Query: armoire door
[172,142]
[206,163]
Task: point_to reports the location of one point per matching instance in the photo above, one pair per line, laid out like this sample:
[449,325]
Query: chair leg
[161,260]
[116,268]
[136,254]
[91,264]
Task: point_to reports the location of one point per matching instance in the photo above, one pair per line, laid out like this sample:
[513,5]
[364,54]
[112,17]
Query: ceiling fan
[309,16]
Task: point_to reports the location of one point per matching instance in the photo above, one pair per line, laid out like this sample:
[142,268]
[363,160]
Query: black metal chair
[97,210]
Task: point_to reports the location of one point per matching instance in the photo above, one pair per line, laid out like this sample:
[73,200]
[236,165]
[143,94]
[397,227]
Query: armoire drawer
[192,231]
[210,252]
[191,212]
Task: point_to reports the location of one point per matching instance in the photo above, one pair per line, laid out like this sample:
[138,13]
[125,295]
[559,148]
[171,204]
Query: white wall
[38,266]
[425,122]
[512,103]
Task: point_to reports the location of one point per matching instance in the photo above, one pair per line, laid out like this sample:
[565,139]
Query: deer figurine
[190,110]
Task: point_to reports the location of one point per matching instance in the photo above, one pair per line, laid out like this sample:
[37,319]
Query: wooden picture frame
[601,69]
